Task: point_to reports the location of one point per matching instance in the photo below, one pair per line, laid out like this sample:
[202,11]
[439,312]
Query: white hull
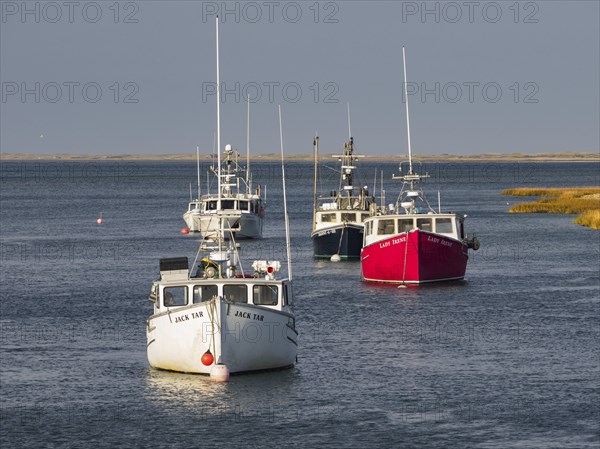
[244,337]
[243,225]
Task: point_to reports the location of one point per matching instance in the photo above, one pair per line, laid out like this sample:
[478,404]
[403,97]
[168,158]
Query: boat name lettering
[329,231]
[249,316]
[438,240]
[392,242]
[186,317]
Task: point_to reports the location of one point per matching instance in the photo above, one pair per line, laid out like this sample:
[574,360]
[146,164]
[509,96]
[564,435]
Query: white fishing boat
[217,314]
[236,202]
[214,317]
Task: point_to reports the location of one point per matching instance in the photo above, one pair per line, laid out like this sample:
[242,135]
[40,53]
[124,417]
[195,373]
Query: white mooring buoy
[335,258]
[219,373]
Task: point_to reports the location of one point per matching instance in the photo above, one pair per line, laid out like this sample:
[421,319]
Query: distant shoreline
[509,157]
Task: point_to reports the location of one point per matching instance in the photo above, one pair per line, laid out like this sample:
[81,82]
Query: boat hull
[243,226]
[242,336]
[344,240]
[413,258]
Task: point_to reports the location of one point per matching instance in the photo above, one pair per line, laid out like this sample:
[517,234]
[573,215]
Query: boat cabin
[176,289]
[248,205]
[338,209]
[174,295]
[327,218]
[384,226]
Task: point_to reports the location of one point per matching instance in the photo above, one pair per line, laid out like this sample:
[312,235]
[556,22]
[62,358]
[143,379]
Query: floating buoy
[219,373]
[185,231]
[335,258]
[99,220]
[207,358]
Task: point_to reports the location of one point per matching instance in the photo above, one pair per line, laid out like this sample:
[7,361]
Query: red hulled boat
[411,243]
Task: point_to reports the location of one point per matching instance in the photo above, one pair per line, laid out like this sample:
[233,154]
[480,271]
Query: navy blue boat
[338,218]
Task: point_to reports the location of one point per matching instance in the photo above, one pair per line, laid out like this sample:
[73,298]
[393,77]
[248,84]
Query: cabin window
[443,225]
[327,218]
[424,224]
[405,224]
[175,296]
[211,205]
[235,293]
[227,204]
[265,295]
[369,227]
[244,205]
[204,293]
[363,217]
[385,227]
[348,217]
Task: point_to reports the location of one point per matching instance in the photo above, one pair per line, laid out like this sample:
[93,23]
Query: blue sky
[136,77]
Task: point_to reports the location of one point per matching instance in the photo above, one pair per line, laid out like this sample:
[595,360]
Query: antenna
[410,170]
[248,148]
[375,184]
[349,127]
[218,121]
[198,168]
[285,211]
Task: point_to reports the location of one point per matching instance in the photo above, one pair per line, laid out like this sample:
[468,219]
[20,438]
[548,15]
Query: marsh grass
[569,200]
[589,218]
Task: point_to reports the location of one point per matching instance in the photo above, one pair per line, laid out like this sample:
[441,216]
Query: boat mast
[411,177]
[410,168]
[349,127]
[285,211]
[248,186]
[218,121]
[198,168]
[316,163]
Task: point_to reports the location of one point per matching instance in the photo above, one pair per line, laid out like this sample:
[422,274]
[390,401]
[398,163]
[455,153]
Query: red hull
[429,258]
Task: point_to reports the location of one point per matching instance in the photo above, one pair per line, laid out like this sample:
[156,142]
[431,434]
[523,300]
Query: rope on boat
[212,313]
[405,257]
[341,238]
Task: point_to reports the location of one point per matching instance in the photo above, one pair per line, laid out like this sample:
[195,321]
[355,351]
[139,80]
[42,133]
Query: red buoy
[207,358]
[99,220]
[185,231]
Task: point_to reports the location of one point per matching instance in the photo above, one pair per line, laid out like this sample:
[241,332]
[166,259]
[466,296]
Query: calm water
[508,358]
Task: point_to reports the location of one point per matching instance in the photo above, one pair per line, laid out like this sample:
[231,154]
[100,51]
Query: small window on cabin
[212,205]
[405,224]
[175,296]
[265,295]
[424,224]
[204,293]
[363,217]
[244,205]
[227,204]
[347,217]
[369,227]
[443,225]
[385,227]
[327,218]
[235,293]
